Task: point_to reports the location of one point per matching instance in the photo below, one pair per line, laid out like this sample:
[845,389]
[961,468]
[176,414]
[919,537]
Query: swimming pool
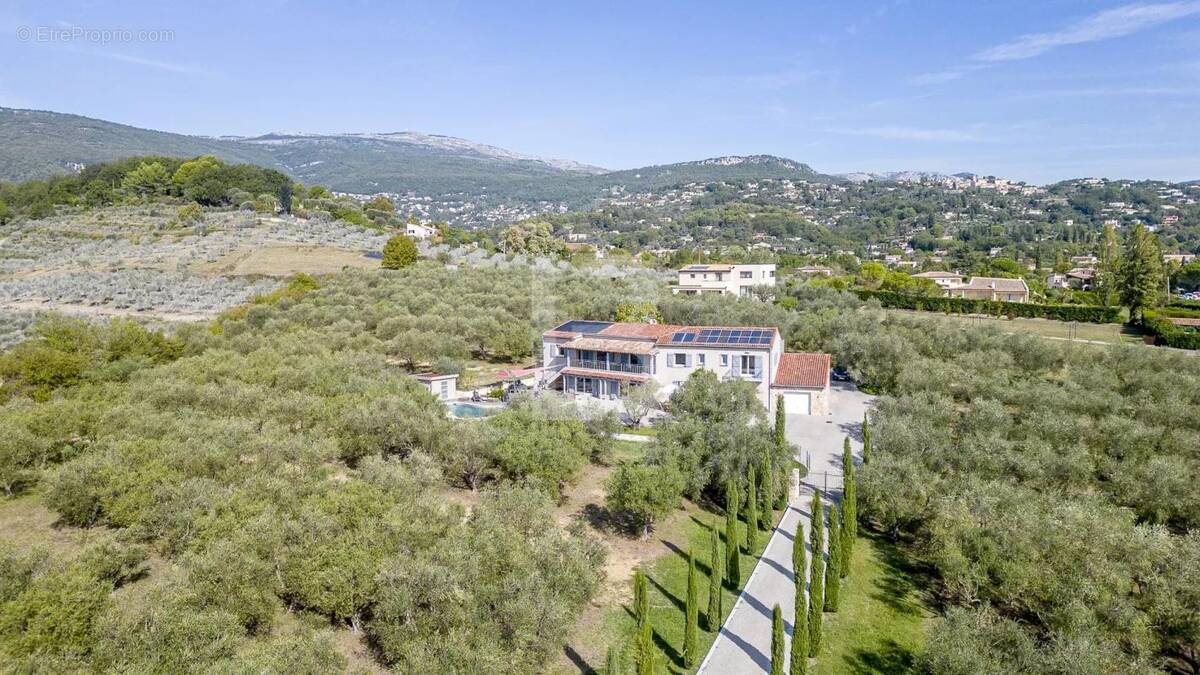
[472,410]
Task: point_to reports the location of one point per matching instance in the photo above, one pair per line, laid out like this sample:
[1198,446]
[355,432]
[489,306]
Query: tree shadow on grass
[674,599]
[897,586]
[605,520]
[701,566]
[668,649]
[889,658]
[584,667]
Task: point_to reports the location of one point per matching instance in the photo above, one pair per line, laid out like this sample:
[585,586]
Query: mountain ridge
[39,143]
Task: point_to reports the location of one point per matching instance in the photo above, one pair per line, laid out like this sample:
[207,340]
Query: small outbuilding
[442,386]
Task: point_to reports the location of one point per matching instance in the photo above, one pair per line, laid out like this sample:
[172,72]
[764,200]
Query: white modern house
[418,231]
[724,279]
[943,279]
[603,359]
[978,288]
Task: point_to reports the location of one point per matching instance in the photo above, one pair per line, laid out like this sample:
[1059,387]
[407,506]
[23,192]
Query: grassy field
[282,261]
[650,432]
[880,626]
[1112,333]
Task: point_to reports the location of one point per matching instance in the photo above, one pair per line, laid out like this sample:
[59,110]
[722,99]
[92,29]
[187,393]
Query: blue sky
[1037,91]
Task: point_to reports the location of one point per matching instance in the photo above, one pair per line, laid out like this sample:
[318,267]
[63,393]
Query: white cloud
[1111,23]
[149,63]
[941,77]
[897,133]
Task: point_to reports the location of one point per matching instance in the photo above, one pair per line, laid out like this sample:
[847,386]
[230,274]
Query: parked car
[840,374]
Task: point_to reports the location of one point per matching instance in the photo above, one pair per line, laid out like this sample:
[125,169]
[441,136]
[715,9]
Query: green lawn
[1050,328]
[641,431]
[627,451]
[880,626]
[667,578]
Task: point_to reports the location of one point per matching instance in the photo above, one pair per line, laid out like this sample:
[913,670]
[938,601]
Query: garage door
[799,403]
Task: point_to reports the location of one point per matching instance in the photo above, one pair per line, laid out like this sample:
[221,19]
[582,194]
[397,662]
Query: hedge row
[1169,334]
[1180,303]
[1083,313]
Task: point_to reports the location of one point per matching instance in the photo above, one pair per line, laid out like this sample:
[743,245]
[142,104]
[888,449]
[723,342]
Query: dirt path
[585,501]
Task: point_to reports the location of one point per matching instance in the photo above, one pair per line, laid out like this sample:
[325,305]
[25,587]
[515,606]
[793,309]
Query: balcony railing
[609,366]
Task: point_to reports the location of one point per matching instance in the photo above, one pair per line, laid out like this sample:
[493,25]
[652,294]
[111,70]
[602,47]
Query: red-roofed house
[602,359]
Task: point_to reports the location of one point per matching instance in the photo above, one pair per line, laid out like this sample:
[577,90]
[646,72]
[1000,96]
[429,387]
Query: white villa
[602,359]
[418,231]
[978,288]
[724,279]
[943,279]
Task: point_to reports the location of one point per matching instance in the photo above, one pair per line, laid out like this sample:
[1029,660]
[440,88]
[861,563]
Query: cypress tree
[833,573]
[781,473]
[733,566]
[751,512]
[777,665]
[816,577]
[780,422]
[641,598]
[645,650]
[715,578]
[800,631]
[849,510]
[766,512]
[800,615]
[613,665]
[692,617]
[866,431]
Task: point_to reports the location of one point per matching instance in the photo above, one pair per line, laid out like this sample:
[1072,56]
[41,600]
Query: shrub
[1167,333]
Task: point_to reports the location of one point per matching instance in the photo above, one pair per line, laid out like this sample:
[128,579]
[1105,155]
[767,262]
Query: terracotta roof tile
[638,330]
[602,345]
[803,369]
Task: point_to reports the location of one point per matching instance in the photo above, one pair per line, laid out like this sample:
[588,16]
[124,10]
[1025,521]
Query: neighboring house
[418,231]
[991,288]
[724,279]
[1180,258]
[1057,281]
[603,359]
[1084,260]
[441,386]
[943,279]
[1081,278]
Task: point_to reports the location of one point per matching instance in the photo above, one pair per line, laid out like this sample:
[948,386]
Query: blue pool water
[471,411]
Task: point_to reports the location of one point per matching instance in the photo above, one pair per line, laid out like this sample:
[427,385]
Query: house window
[445,389]
[693,276]
[748,364]
[702,359]
[679,360]
[725,359]
[747,275]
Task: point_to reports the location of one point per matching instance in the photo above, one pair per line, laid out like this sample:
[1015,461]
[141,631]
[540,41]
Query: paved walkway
[744,643]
